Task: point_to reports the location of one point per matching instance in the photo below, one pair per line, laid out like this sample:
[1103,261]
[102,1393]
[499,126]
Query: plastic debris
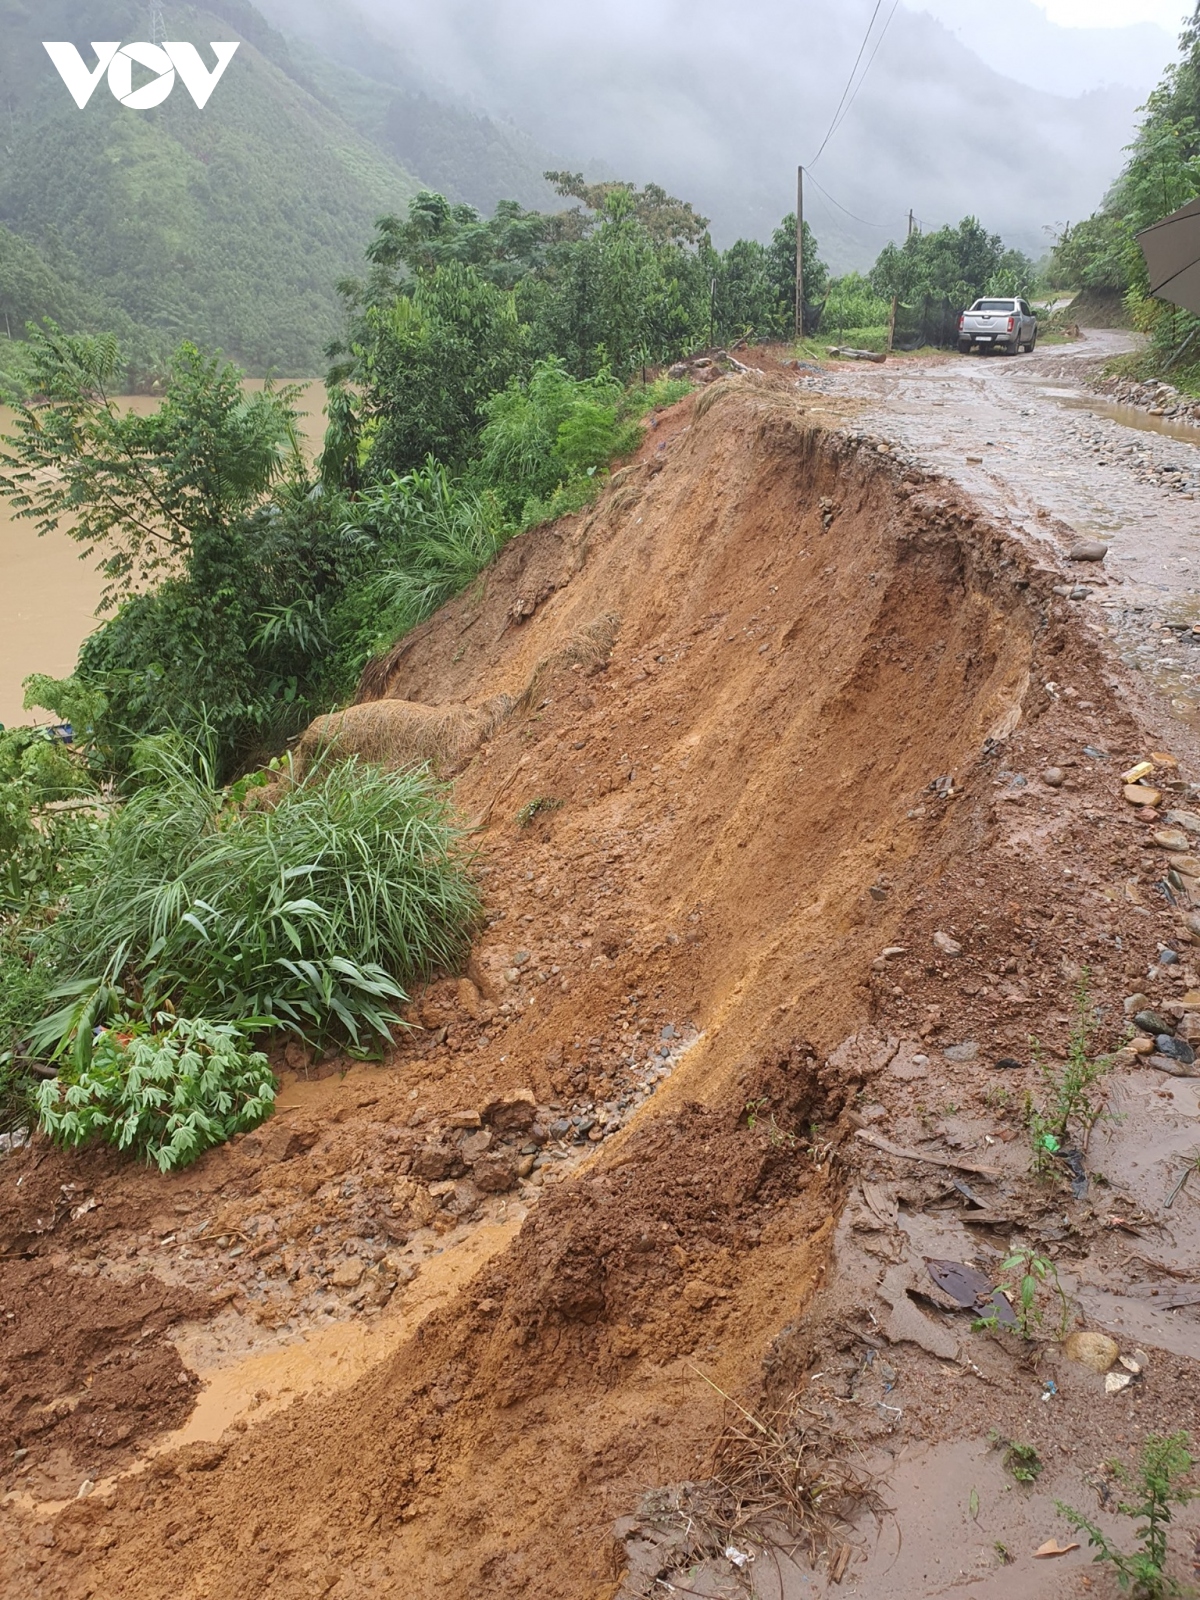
[740,1558]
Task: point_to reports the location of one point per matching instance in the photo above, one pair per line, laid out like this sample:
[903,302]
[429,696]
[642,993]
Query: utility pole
[910,224]
[799,252]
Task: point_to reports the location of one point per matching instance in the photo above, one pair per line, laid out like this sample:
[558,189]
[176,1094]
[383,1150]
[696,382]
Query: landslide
[734,686]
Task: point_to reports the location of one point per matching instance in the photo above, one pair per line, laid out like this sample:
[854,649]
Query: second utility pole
[799,252]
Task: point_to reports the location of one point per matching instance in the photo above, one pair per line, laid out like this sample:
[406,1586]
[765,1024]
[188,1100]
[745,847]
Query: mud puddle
[1128,416]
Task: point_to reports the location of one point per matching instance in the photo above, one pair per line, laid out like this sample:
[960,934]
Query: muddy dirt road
[800,822]
[1028,439]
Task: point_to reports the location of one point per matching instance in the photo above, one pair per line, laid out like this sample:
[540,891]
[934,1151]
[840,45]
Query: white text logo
[118,60]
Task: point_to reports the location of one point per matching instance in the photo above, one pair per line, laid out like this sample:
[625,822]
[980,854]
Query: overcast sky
[1114,13]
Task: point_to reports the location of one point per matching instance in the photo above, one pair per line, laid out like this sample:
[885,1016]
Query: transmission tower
[158,28]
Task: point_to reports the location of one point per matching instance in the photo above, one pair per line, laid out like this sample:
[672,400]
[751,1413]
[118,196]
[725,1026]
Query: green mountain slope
[230,225]
[458,150]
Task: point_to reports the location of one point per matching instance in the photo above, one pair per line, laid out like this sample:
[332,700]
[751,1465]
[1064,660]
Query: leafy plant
[1032,1280]
[167,1091]
[1165,1459]
[1069,1105]
[1021,1460]
[537,808]
[310,913]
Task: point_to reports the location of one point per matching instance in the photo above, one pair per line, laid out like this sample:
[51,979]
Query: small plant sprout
[540,807]
[1021,1460]
[1156,1486]
[1069,1107]
[1031,1285]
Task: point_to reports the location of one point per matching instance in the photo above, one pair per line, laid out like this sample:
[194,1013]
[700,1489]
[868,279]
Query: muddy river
[48,595]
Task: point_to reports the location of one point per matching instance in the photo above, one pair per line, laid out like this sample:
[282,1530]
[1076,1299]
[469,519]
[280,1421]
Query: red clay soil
[772,694]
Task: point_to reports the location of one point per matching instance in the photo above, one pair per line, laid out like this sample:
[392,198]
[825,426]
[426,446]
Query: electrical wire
[886,226]
[862,47]
[839,120]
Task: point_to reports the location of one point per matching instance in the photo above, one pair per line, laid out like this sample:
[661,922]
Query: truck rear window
[994,305]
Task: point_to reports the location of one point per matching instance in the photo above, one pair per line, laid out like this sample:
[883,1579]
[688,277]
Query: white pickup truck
[998,324]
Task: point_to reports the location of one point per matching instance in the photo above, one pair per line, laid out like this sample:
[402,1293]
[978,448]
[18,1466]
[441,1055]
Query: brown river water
[49,595]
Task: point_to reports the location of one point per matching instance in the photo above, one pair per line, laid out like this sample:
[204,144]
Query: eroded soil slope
[765,698]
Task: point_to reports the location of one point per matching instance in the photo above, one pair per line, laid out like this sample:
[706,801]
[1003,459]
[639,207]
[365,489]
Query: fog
[719,103]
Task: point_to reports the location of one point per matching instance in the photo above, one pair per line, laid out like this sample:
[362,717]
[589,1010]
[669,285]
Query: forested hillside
[230,225]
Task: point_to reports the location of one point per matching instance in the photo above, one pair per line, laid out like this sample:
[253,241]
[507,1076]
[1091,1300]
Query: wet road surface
[1028,440]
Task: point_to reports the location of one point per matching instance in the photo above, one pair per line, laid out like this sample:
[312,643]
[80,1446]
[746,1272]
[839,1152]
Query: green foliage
[853,304]
[1162,174]
[1164,1461]
[427,362]
[431,535]
[229,225]
[1031,1282]
[145,490]
[542,434]
[167,1091]
[540,807]
[1069,1106]
[958,264]
[47,810]
[310,912]
[643,398]
[1021,1460]
[25,983]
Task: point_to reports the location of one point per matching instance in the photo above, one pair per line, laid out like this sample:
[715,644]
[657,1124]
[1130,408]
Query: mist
[720,104]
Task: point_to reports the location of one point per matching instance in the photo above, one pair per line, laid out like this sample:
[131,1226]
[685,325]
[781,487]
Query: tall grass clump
[309,913]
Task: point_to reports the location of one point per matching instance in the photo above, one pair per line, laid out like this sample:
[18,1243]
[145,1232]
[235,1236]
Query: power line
[883,225]
[862,47]
[839,120]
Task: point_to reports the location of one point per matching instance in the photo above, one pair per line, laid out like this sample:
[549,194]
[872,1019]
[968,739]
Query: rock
[1177,1049]
[463,1119]
[1189,820]
[1151,1022]
[1136,1002]
[495,1174]
[947,945]
[961,1052]
[1138,794]
[347,1273]
[512,1113]
[1170,839]
[1177,1069]
[475,1145]
[1087,550]
[1054,777]
[1168,958]
[1008,1063]
[1143,1045]
[1094,1350]
[434,1162]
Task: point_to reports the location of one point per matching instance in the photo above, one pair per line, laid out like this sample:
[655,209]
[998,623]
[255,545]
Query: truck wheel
[964,347]
[1032,343]
[1013,349]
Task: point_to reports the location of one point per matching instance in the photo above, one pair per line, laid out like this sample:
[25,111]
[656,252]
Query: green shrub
[167,1091]
[1156,1486]
[549,432]
[24,985]
[433,535]
[47,810]
[309,913]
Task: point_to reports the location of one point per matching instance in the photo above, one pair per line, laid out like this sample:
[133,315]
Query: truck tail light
[962,319]
[1012,322]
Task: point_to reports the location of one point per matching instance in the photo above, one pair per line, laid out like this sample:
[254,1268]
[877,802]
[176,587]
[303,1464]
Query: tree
[426,361]
[958,264]
[146,491]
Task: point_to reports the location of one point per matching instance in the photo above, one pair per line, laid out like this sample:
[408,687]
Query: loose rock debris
[642,1105]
